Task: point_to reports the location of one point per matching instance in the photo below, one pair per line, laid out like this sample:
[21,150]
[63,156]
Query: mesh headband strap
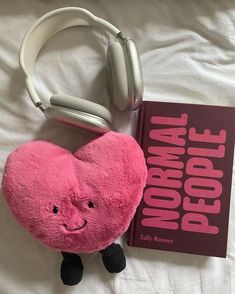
[47,26]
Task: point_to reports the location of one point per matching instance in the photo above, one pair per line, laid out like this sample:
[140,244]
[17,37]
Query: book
[189,155]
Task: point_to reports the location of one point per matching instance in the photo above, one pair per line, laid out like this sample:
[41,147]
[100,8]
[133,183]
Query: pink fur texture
[77,202]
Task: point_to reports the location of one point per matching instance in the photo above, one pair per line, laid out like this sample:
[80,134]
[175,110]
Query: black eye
[55,209]
[90,204]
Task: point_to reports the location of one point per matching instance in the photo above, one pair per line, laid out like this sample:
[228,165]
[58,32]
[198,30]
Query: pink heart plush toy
[76,203]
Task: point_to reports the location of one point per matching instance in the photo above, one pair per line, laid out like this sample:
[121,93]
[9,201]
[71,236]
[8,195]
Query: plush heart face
[76,202]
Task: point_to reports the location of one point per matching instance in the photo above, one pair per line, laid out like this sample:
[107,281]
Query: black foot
[71,269]
[113,258]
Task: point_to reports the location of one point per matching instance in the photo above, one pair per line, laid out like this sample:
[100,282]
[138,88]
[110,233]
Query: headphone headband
[47,26]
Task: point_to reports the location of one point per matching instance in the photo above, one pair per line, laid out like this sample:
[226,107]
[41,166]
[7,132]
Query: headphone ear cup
[79,112]
[81,105]
[135,77]
[118,76]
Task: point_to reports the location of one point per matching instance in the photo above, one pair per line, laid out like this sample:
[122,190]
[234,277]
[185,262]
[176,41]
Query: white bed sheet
[187,50]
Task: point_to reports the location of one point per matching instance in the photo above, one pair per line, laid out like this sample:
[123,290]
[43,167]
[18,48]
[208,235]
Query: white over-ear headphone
[123,63]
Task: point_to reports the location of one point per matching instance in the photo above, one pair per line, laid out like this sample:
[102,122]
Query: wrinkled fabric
[187,52]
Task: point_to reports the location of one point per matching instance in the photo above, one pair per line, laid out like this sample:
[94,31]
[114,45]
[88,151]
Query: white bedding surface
[187,51]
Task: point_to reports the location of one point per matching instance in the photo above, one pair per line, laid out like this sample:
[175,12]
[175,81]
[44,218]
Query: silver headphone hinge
[40,106]
[120,36]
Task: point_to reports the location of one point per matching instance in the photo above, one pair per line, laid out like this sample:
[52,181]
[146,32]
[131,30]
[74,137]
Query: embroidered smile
[75,229]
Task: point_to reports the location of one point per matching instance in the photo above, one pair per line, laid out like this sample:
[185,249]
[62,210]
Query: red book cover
[189,155]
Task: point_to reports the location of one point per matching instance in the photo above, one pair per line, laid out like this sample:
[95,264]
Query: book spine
[139,139]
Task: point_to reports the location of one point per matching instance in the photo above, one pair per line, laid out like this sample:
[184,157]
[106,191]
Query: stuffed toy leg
[72,268]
